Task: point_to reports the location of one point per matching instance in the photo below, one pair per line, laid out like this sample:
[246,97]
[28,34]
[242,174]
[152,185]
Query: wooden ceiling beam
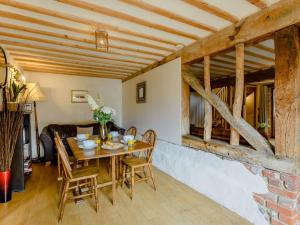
[233,63]
[68,63]
[77,30]
[249,78]
[132,19]
[33,53]
[67,60]
[246,60]
[68,72]
[166,13]
[259,26]
[264,48]
[56,50]
[212,10]
[52,65]
[254,54]
[72,18]
[74,38]
[259,3]
[65,44]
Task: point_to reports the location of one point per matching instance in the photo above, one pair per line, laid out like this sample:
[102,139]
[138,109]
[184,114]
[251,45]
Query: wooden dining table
[99,152]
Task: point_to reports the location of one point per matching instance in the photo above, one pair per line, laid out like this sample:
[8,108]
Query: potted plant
[10,126]
[102,114]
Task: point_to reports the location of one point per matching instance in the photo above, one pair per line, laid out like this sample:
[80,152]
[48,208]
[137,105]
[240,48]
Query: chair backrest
[63,156]
[131,131]
[149,137]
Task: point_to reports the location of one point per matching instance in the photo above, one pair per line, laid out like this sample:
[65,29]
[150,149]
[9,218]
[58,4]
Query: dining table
[99,152]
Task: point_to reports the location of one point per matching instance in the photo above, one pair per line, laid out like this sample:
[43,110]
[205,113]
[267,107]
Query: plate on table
[87,148]
[112,146]
[75,138]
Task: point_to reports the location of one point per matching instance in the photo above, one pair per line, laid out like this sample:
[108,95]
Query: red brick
[275,182]
[276,222]
[287,202]
[283,192]
[259,199]
[271,174]
[289,220]
[280,209]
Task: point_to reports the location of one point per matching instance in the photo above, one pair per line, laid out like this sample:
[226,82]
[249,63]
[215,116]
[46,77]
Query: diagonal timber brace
[254,138]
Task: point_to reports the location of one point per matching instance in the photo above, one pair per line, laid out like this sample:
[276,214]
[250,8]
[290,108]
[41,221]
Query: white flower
[108,110]
[92,103]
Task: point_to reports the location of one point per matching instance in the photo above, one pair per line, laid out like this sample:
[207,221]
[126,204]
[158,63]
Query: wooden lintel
[242,154]
[258,26]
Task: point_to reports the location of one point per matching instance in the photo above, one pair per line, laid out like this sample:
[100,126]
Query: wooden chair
[74,180]
[136,165]
[131,131]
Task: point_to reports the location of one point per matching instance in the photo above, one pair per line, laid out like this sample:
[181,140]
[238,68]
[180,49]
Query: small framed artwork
[27,108]
[79,96]
[141,92]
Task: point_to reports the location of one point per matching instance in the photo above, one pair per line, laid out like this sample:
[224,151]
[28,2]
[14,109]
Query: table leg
[113,177]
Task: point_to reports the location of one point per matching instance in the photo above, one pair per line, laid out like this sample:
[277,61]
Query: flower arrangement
[101,113]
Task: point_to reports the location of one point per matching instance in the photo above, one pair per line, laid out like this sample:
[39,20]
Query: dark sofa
[65,131]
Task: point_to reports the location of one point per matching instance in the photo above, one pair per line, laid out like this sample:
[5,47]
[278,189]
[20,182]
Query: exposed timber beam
[77,39]
[72,18]
[254,138]
[169,14]
[207,105]
[259,3]
[76,53]
[213,10]
[287,92]
[265,48]
[258,26]
[76,46]
[130,18]
[257,76]
[239,92]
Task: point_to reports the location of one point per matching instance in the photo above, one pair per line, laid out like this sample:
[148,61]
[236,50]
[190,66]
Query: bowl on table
[88,144]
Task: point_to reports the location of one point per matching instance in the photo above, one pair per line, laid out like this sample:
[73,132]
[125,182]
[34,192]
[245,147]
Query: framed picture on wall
[27,108]
[79,96]
[141,92]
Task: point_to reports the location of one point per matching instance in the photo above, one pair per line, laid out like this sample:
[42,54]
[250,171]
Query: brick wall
[281,205]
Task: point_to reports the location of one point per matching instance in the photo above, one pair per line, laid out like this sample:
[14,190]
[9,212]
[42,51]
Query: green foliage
[101,117]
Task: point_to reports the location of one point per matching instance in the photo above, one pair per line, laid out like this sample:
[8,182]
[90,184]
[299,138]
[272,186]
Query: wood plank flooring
[172,204]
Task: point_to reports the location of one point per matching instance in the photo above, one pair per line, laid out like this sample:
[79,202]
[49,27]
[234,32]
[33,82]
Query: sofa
[65,131]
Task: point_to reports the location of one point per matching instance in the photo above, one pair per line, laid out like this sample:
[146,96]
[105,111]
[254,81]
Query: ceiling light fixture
[101,39]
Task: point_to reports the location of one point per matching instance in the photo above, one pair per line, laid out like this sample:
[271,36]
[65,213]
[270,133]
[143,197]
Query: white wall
[58,107]
[162,110]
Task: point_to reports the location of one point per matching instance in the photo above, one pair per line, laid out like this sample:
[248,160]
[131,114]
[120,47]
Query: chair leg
[61,191]
[96,194]
[151,175]
[145,174]
[123,175]
[132,182]
[63,202]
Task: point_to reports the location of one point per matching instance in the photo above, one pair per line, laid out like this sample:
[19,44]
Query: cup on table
[88,143]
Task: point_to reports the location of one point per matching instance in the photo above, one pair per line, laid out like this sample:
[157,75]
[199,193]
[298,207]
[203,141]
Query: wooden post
[287,92]
[239,91]
[185,108]
[207,105]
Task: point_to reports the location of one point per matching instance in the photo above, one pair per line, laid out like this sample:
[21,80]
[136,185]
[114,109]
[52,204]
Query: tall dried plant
[10,127]
[11,122]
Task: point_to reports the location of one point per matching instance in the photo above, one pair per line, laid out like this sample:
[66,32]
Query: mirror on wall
[3,69]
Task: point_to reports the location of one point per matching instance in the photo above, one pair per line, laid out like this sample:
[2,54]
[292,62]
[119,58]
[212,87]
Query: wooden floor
[172,204]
